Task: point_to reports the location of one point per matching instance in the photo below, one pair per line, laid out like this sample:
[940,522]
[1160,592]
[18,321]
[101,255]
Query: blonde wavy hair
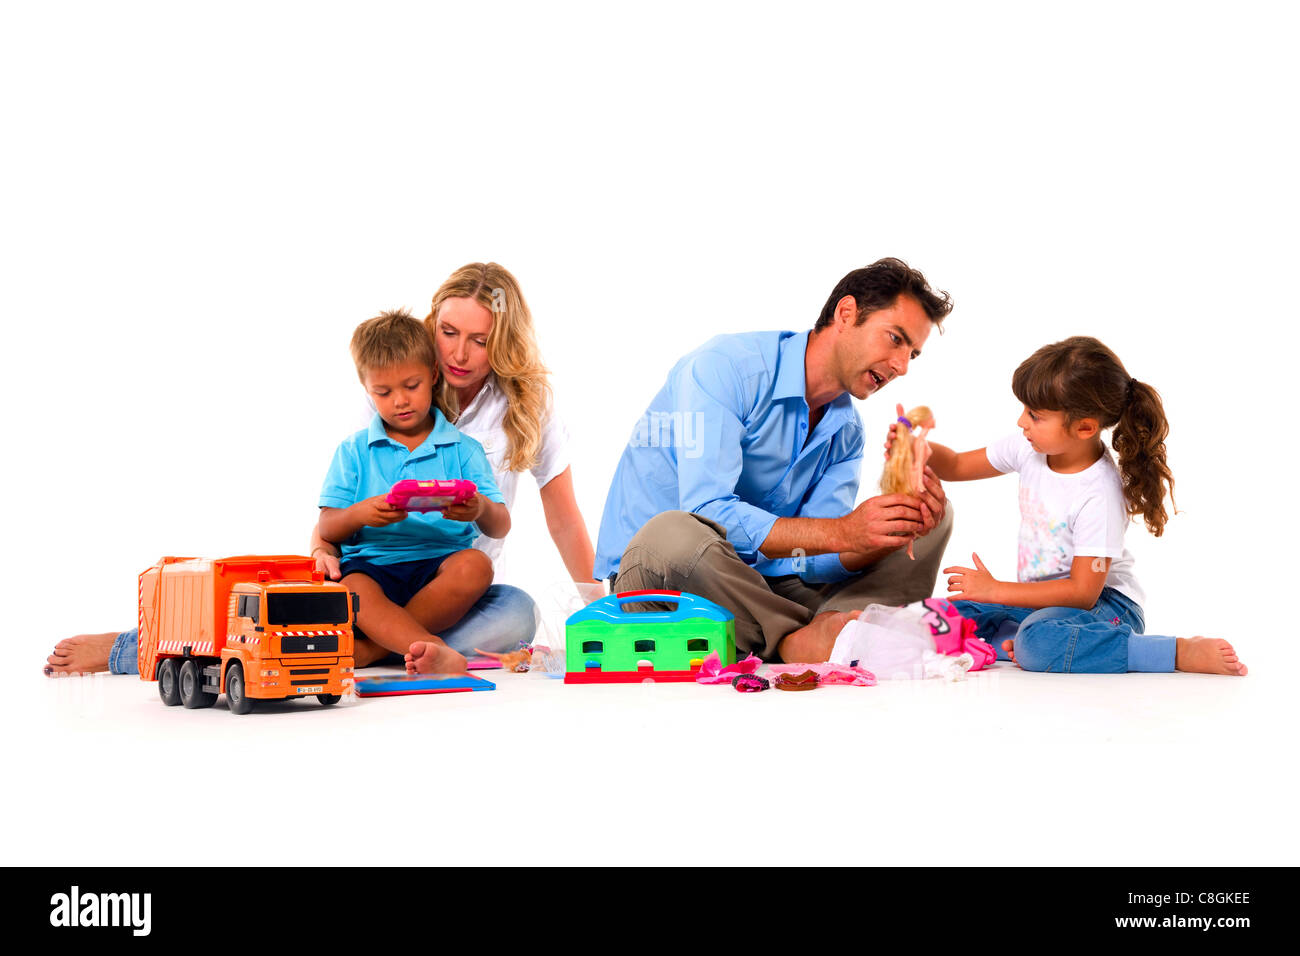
[512,352]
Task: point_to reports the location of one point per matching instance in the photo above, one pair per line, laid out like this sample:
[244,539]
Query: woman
[494,388]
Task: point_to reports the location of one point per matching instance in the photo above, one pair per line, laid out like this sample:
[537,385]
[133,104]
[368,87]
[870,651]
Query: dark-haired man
[739,481]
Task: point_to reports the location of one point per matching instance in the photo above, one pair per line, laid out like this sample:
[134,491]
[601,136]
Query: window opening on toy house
[697,644]
[592,647]
[644,647]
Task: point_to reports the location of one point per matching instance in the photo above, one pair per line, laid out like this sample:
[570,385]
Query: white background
[201,202]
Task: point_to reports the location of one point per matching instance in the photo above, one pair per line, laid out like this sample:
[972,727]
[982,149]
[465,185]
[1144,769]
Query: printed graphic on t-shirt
[1043,553]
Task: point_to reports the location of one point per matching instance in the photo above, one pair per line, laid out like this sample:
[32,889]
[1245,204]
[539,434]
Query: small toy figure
[519,661]
[905,468]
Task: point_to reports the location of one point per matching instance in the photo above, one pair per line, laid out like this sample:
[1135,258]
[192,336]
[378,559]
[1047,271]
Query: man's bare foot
[434,657]
[81,654]
[1207,655]
[814,642]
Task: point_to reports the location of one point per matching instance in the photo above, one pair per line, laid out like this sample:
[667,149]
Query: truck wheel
[193,696]
[236,699]
[328,700]
[167,689]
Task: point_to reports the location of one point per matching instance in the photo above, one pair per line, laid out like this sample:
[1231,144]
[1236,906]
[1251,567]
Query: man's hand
[934,500]
[376,512]
[466,511]
[893,431]
[884,522]
[971,584]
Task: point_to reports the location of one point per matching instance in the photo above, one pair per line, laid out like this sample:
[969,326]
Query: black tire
[236,699]
[192,694]
[329,700]
[167,683]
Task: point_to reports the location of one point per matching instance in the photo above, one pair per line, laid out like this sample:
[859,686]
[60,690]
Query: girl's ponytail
[1139,443]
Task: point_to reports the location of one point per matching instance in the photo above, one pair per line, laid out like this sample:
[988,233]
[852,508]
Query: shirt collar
[489,386]
[444,433]
[790,379]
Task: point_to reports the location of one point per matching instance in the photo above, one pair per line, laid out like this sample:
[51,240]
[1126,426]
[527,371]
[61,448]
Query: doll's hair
[1082,378]
[897,476]
[389,339]
[879,285]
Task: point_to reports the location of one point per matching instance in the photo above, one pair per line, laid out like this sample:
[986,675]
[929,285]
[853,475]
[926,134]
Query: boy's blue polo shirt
[370,463]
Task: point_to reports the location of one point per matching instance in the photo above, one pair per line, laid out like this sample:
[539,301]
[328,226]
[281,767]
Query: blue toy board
[396,685]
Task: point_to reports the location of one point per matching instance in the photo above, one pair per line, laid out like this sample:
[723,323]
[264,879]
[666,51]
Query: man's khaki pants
[679,551]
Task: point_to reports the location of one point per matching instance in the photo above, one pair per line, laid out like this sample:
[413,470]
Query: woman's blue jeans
[501,618]
[1108,639]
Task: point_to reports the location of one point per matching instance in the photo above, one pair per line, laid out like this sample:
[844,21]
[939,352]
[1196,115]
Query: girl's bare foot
[81,654]
[1207,655]
[434,657]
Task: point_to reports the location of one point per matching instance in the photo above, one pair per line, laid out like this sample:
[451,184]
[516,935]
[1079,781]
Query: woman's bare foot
[434,657]
[814,642]
[1207,655]
[81,654]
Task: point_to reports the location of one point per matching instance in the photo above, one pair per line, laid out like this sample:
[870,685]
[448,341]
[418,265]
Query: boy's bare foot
[1207,655]
[814,641]
[434,657]
[1010,647]
[81,654]
[365,652]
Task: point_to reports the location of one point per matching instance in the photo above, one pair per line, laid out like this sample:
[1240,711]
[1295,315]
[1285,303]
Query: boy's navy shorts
[400,582]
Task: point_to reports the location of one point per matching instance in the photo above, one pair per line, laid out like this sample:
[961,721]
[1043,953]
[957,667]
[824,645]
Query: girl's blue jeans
[503,616]
[1108,639]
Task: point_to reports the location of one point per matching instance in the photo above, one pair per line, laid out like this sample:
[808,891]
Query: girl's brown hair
[1082,378]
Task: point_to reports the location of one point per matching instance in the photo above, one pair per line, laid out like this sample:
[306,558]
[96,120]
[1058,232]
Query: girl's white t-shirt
[1067,516]
[484,420]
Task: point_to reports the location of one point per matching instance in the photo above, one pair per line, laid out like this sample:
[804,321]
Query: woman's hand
[327,563]
[971,584]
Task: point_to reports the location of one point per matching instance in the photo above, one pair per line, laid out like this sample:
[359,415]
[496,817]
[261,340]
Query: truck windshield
[328,608]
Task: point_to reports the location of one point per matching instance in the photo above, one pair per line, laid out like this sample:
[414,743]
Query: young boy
[416,573]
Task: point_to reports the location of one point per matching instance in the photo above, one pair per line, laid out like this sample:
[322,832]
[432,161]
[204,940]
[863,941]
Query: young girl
[1076,605]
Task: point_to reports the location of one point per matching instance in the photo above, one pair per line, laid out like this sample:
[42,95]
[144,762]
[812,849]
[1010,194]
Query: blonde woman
[494,388]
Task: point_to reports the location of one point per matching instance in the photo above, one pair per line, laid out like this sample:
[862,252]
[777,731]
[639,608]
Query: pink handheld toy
[412,495]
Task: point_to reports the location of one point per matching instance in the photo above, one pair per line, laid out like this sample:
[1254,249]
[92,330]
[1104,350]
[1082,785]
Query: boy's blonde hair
[389,339]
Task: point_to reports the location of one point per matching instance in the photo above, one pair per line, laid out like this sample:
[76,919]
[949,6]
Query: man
[739,481]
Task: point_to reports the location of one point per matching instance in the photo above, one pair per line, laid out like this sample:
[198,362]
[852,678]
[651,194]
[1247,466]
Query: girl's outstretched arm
[1081,589]
[950,465]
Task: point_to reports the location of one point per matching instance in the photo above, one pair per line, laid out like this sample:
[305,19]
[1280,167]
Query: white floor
[1006,768]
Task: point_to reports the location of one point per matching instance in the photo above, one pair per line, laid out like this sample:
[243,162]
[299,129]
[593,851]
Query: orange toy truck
[254,627]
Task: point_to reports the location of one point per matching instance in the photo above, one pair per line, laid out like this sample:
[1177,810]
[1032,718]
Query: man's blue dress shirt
[727,438]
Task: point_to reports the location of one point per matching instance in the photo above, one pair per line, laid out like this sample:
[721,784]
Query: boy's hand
[971,584]
[467,511]
[376,512]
